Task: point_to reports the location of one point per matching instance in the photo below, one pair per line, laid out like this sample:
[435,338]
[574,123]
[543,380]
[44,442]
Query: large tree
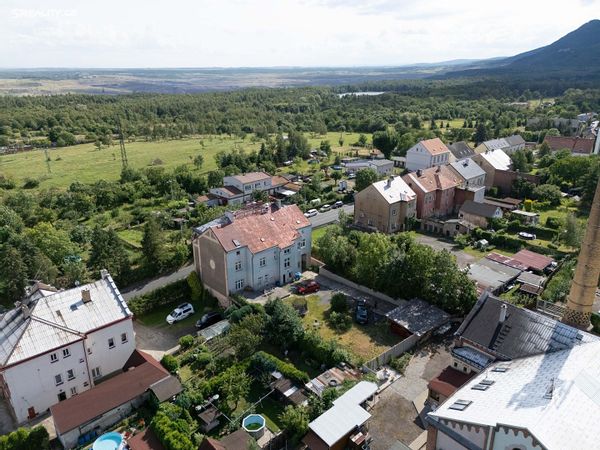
[152,244]
[386,141]
[364,178]
[285,326]
[13,276]
[108,252]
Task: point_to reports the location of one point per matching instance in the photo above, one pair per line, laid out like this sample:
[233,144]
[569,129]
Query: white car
[528,236]
[338,204]
[325,208]
[311,213]
[181,312]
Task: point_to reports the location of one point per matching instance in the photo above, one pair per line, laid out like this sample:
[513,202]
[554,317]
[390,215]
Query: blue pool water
[108,441]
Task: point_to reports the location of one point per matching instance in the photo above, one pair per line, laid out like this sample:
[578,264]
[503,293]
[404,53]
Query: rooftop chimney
[103,274]
[583,287]
[502,317]
[26,311]
[85,296]
[389,181]
[230,216]
[419,172]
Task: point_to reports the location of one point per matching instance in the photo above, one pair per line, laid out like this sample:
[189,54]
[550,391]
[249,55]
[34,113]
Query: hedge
[174,293]
[25,439]
[548,234]
[170,363]
[287,370]
[173,434]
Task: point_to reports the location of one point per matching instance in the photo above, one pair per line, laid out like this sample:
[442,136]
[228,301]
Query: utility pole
[122,144]
[47,160]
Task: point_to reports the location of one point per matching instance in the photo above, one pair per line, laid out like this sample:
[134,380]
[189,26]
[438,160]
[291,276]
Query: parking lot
[438,243]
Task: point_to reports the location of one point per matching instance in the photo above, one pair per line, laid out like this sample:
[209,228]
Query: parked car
[362,313]
[527,236]
[336,167]
[325,208]
[308,287]
[337,204]
[181,312]
[209,319]
[311,213]
[351,175]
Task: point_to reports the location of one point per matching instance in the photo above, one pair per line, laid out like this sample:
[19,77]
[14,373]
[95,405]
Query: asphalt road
[330,216]
[151,285]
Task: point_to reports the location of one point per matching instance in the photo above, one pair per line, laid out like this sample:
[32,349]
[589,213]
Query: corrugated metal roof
[498,159]
[59,319]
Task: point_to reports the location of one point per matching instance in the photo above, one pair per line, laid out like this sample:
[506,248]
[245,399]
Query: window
[237,253]
[74,390]
[62,396]
[111,343]
[302,243]
[89,350]
[70,375]
[238,265]
[96,372]
[262,262]
[286,251]
[394,212]
[58,379]
[460,405]
[123,338]
[239,284]
[53,357]
[369,222]
[286,262]
[66,352]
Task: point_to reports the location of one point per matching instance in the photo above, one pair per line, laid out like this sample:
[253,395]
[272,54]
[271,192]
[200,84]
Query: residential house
[435,189]
[427,153]
[343,425]
[479,214]
[57,344]
[255,248]
[492,145]
[533,376]
[493,161]
[576,145]
[460,150]
[96,409]
[239,189]
[515,142]
[383,167]
[386,206]
[472,178]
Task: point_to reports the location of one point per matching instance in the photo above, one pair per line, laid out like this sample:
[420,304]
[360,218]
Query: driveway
[394,416]
[161,339]
[437,243]
[151,285]
[330,216]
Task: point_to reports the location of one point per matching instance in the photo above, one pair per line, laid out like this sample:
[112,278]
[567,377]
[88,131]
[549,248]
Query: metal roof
[214,330]
[498,159]
[468,169]
[395,190]
[345,414]
[59,319]
[418,317]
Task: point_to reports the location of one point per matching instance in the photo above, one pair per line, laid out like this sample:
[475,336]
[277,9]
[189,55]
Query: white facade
[52,360]
[418,157]
[383,167]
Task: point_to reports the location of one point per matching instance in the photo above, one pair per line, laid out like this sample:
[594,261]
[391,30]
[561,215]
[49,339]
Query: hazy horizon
[212,34]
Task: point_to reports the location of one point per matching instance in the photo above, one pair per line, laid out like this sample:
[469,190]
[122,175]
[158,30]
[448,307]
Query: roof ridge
[55,325]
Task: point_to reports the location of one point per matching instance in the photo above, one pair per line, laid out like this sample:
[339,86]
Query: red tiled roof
[106,396]
[449,381]
[434,178]
[573,144]
[146,440]
[435,146]
[279,227]
[506,260]
[238,440]
[532,260]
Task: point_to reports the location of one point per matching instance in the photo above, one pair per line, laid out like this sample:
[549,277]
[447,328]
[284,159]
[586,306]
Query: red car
[308,288]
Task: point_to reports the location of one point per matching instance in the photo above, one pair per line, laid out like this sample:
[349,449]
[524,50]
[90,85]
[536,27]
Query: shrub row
[172,433]
[25,439]
[173,293]
[287,370]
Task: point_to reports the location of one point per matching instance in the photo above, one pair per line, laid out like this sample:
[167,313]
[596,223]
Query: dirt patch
[393,420]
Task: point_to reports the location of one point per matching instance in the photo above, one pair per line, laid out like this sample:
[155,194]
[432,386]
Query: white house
[56,344]
[383,167]
[427,153]
[238,189]
[254,248]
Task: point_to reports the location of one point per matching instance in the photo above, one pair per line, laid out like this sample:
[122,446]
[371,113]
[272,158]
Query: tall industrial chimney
[585,282]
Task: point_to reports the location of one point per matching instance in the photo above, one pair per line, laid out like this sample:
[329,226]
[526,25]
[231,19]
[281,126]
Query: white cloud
[201,33]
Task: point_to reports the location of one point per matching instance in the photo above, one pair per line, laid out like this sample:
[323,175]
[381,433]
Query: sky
[264,33]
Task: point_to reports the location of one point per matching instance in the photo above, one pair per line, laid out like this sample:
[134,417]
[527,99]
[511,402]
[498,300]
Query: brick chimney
[86,296]
[585,282]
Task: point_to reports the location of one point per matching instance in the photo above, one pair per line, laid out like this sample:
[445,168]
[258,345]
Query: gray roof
[523,333]
[515,139]
[531,278]
[381,162]
[418,316]
[488,276]
[166,388]
[467,168]
[478,209]
[461,150]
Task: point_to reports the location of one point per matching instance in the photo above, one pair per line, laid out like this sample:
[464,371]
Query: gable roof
[523,332]
[434,146]
[146,440]
[461,150]
[578,145]
[518,398]
[467,168]
[277,227]
[496,144]
[108,395]
[478,209]
[449,381]
[60,318]
[497,159]
[238,440]
[251,177]
[432,179]
[394,190]
[515,140]
[532,260]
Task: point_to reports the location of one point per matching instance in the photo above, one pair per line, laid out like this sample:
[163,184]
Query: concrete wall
[209,259]
[504,179]
[365,290]
[393,352]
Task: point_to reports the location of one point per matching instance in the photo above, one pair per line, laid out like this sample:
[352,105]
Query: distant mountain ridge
[576,53]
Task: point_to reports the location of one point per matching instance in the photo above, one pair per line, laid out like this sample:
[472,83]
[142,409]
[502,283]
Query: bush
[196,288]
[25,439]
[287,370]
[339,303]
[186,341]
[173,293]
[399,364]
[171,425]
[340,322]
[170,363]
[204,359]
[31,183]
[553,222]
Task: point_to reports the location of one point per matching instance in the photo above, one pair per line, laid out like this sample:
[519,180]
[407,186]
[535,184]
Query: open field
[366,341]
[454,123]
[86,164]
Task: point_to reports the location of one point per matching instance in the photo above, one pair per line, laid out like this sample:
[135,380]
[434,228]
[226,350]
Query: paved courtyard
[437,243]
[395,417]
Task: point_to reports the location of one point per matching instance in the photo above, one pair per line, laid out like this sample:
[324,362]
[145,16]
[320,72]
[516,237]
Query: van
[315,202]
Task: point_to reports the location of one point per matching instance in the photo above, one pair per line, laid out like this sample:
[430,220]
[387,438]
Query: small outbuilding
[416,317]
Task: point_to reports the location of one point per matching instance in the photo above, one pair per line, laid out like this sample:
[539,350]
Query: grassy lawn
[366,341]
[86,164]
[480,254]
[454,123]
[132,236]
[268,408]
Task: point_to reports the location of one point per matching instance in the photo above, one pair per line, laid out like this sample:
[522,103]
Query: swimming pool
[108,441]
